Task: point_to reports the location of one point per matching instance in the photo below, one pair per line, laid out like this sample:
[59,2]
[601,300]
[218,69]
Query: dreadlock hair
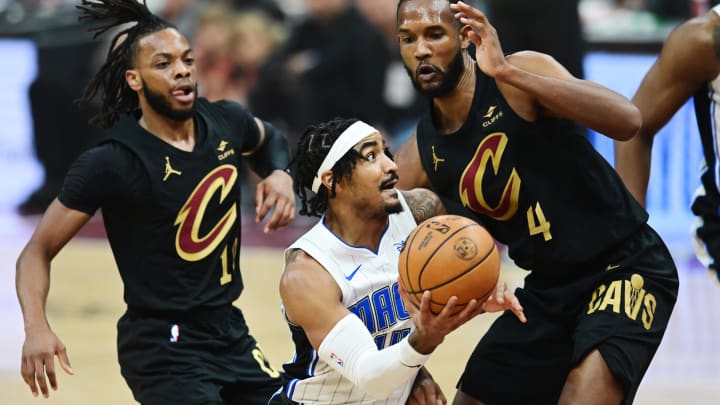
[116,97]
[313,146]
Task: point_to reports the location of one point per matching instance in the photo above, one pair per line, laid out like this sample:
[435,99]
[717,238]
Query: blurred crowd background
[291,62]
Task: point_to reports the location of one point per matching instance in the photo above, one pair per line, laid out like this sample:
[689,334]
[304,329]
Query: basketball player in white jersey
[688,66]
[357,338]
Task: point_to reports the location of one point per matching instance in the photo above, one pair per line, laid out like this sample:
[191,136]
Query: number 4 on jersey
[537,223]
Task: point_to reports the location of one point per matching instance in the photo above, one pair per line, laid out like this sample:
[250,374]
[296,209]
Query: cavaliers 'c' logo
[471,193]
[189,244]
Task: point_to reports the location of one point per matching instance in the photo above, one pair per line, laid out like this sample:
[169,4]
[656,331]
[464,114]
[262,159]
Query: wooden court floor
[86,300]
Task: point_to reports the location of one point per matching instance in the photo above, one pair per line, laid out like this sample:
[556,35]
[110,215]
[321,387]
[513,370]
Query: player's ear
[132,77]
[464,40]
[327,179]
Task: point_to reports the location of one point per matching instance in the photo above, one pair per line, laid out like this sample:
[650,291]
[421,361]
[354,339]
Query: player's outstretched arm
[536,85]
[688,60]
[32,282]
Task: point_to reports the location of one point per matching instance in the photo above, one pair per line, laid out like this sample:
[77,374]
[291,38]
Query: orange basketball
[449,255]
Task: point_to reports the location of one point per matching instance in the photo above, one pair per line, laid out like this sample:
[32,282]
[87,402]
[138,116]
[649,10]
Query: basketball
[449,255]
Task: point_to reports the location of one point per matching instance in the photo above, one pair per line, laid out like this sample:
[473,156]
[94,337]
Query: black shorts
[619,305]
[206,359]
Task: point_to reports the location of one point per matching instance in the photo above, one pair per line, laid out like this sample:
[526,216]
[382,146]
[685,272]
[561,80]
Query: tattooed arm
[423,203]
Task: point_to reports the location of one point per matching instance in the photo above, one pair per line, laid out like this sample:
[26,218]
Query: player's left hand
[502,299]
[488,52]
[426,391]
[275,192]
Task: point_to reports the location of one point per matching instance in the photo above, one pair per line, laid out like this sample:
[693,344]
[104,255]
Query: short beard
[394,208]
[159,103]
[449,82]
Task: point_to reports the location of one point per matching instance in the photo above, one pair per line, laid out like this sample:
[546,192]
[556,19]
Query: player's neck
[356,230]
[180,134]
[451,110]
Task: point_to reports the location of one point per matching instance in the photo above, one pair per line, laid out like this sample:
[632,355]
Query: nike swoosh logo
[612,267]
[350,276]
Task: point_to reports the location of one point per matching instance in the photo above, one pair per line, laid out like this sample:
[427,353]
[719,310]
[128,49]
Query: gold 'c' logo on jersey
[189,244]
[471,192]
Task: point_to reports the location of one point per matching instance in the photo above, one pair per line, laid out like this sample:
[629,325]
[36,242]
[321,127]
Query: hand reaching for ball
[503,299]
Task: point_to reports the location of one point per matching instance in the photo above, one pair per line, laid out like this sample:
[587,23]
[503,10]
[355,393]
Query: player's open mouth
[426,72]
[184,93]
[389,184]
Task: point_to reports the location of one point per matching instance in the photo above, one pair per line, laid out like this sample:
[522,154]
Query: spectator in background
[671,9]
[333,64]
[270,7]
[213,46]
[230,46]
[402,104]
[256,37]
[184,14]
[60,130]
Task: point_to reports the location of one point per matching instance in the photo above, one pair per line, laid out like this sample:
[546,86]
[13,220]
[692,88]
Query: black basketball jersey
[177,247]
[538,187]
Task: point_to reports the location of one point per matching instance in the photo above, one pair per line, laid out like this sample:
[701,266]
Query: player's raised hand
[275,191]
[38,363]
[502,299]
[488,52]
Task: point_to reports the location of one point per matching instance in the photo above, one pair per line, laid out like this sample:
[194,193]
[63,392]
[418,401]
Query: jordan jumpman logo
[169,170]
[436,159]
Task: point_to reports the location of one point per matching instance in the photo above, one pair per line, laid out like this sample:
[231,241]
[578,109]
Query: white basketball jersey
[368,281]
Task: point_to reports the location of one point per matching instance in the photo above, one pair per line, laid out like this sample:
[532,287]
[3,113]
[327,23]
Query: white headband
[351,136]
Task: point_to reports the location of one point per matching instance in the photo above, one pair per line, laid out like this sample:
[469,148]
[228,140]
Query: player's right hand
[38,364]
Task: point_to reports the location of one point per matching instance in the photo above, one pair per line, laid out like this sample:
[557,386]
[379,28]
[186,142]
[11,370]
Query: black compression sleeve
[274,154]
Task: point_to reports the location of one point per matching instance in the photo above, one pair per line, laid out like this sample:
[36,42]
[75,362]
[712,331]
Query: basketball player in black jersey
[167,184]
[498,144]
[688,67]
